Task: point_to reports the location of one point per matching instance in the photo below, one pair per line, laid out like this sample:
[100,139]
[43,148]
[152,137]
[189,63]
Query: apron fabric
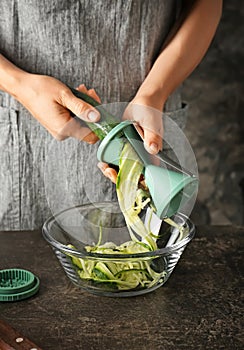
[107,45]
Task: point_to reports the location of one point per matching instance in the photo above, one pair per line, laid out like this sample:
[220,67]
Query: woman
[138,51]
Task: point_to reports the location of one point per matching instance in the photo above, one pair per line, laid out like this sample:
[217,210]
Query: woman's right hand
[50,102]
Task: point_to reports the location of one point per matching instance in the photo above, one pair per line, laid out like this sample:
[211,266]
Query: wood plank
[10,339]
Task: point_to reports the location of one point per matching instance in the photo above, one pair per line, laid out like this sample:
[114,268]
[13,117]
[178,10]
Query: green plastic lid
[17,284]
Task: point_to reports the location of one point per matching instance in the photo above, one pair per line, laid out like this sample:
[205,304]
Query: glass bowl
[119,275]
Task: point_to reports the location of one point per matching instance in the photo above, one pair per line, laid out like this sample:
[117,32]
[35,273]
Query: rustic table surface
[198,308]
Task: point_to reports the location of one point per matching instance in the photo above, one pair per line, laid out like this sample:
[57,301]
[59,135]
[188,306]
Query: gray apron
[107,45]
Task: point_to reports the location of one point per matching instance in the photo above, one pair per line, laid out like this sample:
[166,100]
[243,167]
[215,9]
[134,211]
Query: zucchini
[119,274]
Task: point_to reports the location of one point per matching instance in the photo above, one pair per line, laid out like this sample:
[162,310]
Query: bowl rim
[88,255]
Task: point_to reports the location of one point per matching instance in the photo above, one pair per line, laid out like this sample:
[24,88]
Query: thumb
[152,141]
[80,108]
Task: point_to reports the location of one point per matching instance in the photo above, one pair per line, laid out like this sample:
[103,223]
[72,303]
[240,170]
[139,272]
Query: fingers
[110,173]
[90,92]
[84,111]
[150,125]
[80,108]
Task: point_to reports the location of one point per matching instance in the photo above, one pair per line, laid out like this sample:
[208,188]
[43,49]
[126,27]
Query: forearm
[183,51]
[10,77]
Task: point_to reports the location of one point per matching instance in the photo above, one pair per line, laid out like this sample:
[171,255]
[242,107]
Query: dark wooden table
[198,308]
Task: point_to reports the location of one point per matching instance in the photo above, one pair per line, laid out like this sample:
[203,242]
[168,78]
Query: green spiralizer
[169,184]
